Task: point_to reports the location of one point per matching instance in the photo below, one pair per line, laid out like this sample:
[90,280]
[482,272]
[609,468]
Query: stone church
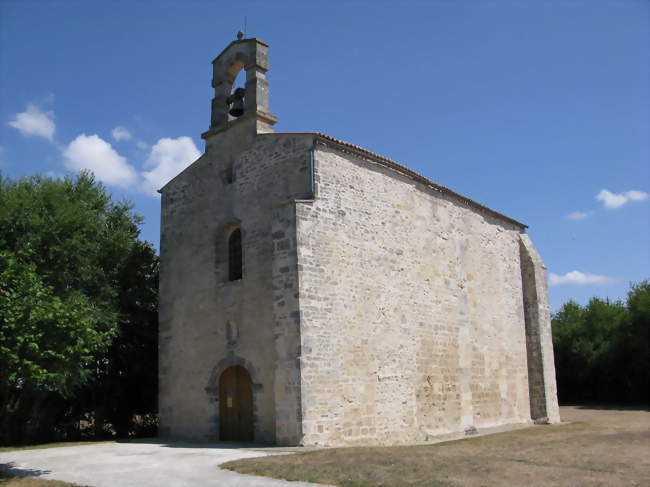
[315,293]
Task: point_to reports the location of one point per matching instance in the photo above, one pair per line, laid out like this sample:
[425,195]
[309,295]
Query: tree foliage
[602,349]
[44,338]
[125,378]
[78,300]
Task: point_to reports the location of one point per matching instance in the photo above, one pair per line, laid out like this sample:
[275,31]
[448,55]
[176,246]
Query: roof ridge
[405,169]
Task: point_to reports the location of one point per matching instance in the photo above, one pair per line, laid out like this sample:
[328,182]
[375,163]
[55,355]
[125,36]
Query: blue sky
[539,110]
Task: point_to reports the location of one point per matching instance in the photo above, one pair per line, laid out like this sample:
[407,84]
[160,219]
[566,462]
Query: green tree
[633,346]
[125,376]
[70,262]
[570,366]
[601,349]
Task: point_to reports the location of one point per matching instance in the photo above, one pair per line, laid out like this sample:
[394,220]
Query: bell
[237,102]
[237,109]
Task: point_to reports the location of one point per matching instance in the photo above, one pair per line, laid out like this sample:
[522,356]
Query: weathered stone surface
[199,210]
[413,312]
[374,307]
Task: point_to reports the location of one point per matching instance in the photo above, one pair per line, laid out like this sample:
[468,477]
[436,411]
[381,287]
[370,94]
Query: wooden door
[235,405]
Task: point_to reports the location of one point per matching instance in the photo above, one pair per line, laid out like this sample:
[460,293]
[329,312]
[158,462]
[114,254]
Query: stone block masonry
[343,298]
[208,323]
[412,311]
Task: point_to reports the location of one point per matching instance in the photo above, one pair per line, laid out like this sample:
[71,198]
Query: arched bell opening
[236,99]
[236,405]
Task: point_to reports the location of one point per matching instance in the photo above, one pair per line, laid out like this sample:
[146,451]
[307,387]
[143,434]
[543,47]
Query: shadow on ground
[609,407]
[11,470]
[187,444]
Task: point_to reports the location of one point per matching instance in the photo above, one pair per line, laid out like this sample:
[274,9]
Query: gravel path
[140,465]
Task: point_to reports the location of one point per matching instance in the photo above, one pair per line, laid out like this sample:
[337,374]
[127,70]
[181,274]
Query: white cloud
[141,144]
[121,133]
[577,277]
[95,154]
[577,215]
[34,121]
[614,200]
[168,157]
[635,195]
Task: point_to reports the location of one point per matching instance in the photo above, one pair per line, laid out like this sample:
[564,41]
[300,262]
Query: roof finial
[242,34]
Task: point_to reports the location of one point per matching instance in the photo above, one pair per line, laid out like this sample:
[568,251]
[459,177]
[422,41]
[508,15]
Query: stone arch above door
[229,361]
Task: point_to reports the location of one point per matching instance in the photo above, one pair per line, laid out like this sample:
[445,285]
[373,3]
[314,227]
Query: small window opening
[230,174]
[235,256]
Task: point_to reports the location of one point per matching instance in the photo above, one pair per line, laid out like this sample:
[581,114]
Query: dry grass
[600,447]
[7,481]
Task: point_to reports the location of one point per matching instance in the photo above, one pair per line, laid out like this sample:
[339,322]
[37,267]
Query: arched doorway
[235,405]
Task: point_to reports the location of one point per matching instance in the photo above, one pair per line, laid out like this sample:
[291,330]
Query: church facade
[315,293]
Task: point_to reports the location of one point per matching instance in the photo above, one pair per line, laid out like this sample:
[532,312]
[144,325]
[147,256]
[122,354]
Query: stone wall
[373,309]
[412,321]
[539,337]
[208,323]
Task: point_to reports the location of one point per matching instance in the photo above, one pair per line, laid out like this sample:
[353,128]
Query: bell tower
[248,106]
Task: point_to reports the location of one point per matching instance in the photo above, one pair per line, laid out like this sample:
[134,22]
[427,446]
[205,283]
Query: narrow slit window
[230,174]
[235,256]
